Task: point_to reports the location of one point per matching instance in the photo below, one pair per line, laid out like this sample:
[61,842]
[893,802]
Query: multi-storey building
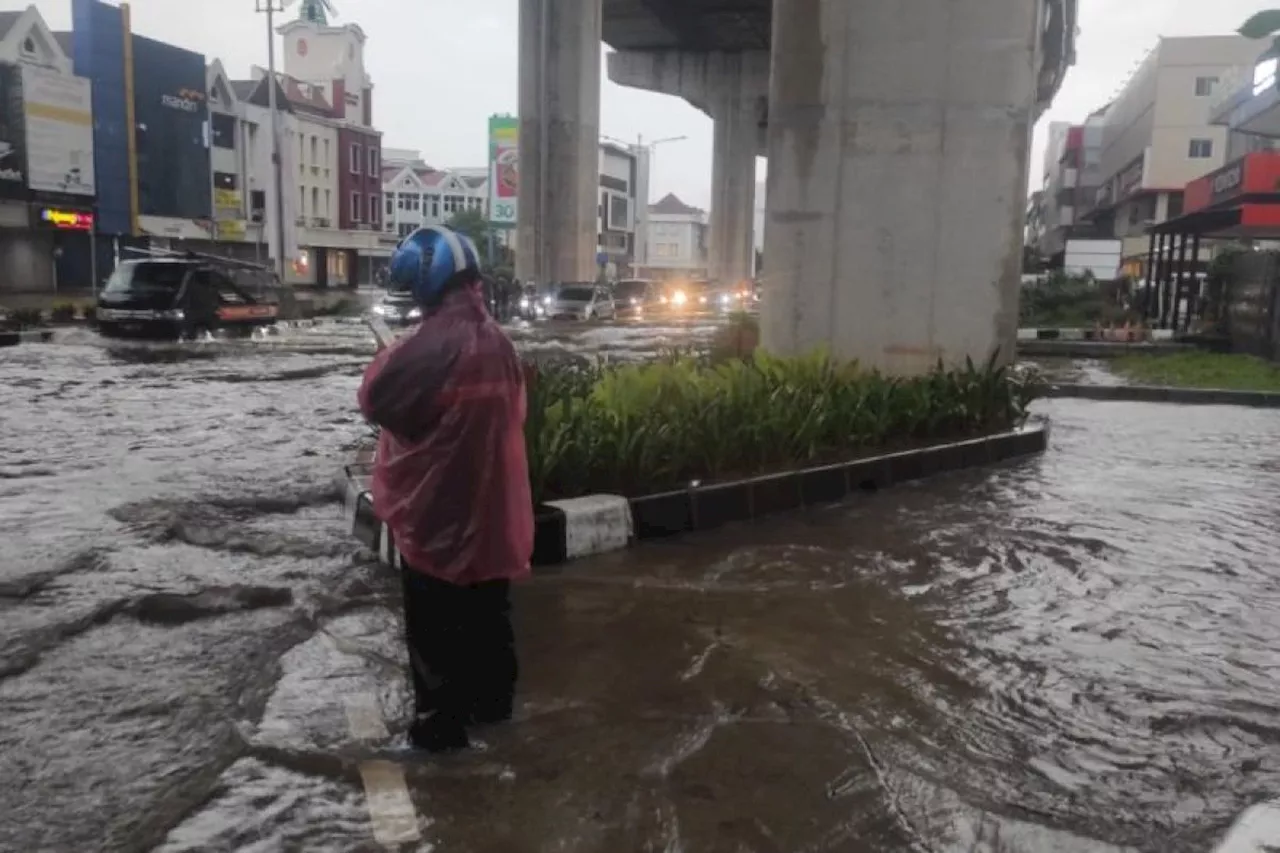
[47,181]
[623,211]
[1157,136]
[1069,188]
[416,195]
[677,238]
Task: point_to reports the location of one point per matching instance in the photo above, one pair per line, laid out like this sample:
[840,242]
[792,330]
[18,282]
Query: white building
[416,195]
[677,241]
[623,212]
[1157,135]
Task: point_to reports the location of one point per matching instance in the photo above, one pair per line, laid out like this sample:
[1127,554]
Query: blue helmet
[426,259]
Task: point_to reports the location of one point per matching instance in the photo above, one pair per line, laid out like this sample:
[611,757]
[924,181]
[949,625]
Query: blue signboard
[172,114]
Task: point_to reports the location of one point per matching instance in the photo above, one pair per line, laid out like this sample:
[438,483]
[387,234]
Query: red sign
[234,313]
[1253,174]
[67,220]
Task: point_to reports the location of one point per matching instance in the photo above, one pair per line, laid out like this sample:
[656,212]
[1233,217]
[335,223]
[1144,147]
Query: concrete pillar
[899,136]
[733,183]
[559,139]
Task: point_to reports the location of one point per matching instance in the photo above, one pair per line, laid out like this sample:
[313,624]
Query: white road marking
[391,811]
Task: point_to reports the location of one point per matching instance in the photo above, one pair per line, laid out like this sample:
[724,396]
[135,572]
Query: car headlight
[546,300]
[524,302]
[382,310]
[726,299]
[662,299]
[679,297]
[414,314]
[635,301]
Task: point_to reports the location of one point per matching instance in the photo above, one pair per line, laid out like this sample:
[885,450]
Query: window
[406,228]
[315,201]
[373,208]
[355,206]
[223,128]
[373,161]
[326,157]
[315,151]
[224,180]
[388,206]
[302,201]
[356,157]
[1205,86]
[327,206]
[257,205]
[1200,149]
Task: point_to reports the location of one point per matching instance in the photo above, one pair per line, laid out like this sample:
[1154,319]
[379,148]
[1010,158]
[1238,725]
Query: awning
[1258,221]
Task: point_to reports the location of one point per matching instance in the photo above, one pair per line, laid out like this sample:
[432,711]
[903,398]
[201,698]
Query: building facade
[47,181]
[677,241]
[1158,135]
[1072,175]
[623,212]
[416,195]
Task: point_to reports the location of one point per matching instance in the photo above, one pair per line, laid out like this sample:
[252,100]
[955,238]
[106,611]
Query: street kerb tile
[716,506]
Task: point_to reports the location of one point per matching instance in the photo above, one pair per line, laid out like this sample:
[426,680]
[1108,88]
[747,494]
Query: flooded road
[1071,654]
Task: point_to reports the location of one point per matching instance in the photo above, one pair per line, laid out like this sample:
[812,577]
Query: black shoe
[437,734]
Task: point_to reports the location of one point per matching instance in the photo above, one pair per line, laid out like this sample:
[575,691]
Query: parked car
[581,301]
[398,307]
[171,296]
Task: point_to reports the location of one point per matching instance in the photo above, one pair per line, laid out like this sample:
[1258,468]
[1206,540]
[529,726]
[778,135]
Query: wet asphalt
[1073,653]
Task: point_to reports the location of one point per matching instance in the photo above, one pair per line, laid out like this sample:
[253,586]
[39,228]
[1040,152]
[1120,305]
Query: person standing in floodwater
[451,481]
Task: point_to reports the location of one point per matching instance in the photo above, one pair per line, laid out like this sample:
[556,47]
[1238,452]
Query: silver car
[582,302]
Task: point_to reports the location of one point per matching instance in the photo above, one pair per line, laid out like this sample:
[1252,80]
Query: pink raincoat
[451,477]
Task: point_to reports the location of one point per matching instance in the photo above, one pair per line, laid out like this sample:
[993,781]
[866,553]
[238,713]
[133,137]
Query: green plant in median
[1235,372]
[643,428]
[63,312]
[25,318]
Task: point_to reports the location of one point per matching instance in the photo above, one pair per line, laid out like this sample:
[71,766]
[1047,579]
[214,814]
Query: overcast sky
[441,67]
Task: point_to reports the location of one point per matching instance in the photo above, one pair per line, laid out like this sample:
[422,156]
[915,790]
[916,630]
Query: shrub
[63,312]
[737,339]
[640,429]
[25,318]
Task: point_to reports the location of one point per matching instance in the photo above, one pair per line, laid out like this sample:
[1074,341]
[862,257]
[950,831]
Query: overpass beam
[559,139]
[899,138]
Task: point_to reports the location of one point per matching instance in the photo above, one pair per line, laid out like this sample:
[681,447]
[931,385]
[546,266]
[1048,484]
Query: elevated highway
[898,133]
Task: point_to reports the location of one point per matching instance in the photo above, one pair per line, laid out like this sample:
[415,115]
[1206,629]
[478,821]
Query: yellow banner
[226,198]
[230,229]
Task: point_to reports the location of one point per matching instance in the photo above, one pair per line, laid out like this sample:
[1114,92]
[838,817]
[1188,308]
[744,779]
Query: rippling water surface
[1076,653]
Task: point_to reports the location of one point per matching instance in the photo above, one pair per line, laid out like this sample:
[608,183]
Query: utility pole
[270,7]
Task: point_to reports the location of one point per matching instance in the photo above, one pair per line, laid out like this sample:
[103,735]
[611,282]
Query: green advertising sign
[504,170]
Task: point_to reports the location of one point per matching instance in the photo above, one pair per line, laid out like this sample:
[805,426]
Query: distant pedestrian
[451,481]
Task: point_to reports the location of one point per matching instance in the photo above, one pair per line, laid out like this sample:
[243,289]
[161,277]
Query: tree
[1261,25]
[473,223]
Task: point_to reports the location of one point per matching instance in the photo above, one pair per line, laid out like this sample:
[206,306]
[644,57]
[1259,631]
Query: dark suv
[177,297]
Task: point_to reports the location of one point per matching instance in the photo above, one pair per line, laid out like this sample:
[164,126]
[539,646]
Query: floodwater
[1075,653]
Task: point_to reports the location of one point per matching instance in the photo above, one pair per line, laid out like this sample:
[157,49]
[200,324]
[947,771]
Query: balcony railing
[319,222]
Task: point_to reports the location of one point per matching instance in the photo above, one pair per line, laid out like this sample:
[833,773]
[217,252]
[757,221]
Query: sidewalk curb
[567,530]
[1161,394]
[26,336]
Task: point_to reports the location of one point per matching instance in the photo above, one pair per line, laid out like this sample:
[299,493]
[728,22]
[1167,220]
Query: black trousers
[461,648]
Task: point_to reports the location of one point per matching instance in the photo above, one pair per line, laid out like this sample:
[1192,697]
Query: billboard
[13,153]
[171,112]
[58,112]
[504,170]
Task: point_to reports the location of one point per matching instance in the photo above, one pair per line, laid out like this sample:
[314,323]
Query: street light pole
[270,7]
